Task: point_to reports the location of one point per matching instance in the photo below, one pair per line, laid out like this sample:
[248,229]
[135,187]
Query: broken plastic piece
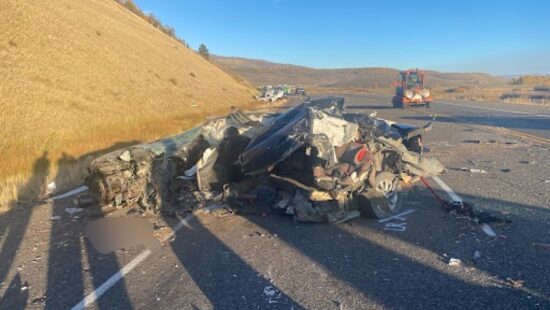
[473,170]
[455,262]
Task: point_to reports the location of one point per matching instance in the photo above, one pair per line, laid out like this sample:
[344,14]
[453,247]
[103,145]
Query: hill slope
[262,72]
[82,76]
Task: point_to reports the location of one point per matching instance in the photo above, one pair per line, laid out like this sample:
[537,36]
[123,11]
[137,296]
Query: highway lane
[259,259]
[534,120]
[529,119]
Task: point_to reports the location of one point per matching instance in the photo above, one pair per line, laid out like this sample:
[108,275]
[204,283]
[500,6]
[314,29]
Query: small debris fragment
[125,156]
[477,254]
[83,201]
[72,211]
[473,170]
[50,188]
[515,283]
[25,286]
[40,300]
[163,233]
[542,246]
[546,181]
[272,294]
[55,218]
[282,204]
[455,262]
[488,230]
[396,226]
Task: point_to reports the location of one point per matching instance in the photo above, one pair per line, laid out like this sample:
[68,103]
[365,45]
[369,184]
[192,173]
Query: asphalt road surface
[262,260]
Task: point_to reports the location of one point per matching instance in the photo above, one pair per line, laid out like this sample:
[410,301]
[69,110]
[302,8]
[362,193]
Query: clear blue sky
[499,37]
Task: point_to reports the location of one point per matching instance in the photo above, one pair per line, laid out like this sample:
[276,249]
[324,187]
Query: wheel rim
[386,186]
[392,199]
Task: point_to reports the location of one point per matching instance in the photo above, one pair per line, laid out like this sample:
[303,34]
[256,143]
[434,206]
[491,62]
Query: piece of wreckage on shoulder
[314,162]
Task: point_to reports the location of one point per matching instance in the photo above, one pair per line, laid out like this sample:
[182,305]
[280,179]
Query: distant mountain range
[261,72]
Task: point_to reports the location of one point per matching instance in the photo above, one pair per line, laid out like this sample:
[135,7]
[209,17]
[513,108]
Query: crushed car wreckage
[314,161]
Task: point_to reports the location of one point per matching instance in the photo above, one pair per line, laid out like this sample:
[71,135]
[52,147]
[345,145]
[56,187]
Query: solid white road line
[485,227]
[91,298]
[96,294]
[75,191]
[495,109]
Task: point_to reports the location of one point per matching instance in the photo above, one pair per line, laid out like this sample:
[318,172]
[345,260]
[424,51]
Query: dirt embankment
[83,77]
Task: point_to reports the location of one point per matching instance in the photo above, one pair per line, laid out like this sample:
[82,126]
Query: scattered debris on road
[396,226]
[515,283]
[73,211]
[467,209]
[400,216]
[402,226]
[272,294]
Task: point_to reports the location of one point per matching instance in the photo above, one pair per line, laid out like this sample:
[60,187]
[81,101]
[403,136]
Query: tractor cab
[410,90]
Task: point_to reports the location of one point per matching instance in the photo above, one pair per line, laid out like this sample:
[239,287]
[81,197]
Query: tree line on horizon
[151,19]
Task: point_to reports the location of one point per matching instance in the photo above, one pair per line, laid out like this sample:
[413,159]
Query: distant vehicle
[277,95]
[411,91]
[300,91]
[271,94]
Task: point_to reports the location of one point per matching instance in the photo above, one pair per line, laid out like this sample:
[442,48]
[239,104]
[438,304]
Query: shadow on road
[68,248]
[224,277]
[13,226]
[65,274]
[369,107]
[383,266]
[397,279]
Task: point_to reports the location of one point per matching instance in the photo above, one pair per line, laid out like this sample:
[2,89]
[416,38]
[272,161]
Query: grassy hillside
[262,72]
[532,80]
[82,77]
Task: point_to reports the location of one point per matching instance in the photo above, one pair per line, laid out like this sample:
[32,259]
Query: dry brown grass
[81,76]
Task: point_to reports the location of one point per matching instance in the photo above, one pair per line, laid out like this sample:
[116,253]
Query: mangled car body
[320,163]
[271,94]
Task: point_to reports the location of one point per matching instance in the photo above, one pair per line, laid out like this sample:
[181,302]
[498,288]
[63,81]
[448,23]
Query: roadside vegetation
[151,19]
[87,77]
[203,51]
[532,80]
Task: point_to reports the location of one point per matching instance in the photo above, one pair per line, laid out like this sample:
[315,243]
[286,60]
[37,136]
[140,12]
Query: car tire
[382,201]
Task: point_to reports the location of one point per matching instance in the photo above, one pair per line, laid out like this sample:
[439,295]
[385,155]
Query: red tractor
[410,90]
